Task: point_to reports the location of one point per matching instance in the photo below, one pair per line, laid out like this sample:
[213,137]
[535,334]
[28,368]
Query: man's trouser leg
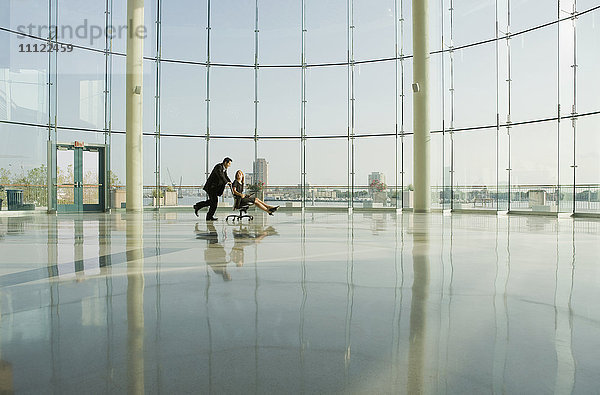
[214,200]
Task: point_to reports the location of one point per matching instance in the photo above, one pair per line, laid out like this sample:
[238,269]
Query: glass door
[67,179]
[79,179]
[92,179]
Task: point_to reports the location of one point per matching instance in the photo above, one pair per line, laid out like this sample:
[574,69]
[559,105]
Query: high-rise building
[260,170]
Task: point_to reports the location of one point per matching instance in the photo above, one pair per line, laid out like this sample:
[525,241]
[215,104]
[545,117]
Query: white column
[421,140]
[135,51]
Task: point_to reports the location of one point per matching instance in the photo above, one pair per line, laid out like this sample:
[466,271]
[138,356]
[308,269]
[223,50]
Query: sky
[536,89]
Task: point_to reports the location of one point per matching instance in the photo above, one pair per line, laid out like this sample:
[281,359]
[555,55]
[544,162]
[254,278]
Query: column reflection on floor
[135,303]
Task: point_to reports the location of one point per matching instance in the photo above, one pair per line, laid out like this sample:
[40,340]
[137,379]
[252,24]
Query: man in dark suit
[214,187]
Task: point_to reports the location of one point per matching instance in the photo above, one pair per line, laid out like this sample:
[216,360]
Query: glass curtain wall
[313,99]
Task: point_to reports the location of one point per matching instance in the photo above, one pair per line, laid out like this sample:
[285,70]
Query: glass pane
[327,188]
[374,94]
[117,171]
[284,161]
[588,164]
[23,91]
[588,59]
[565,164]
[475,86]
[232,31]
[65,180]
[566,70]
[21,14]
[183,99]
[231,101]
[23,162]
[529,13]
[474,20]
[327,101]
[583,5]
[182,169]
[436,91]
[81,89]
[82,23]
[534,75]
[475,169]
[375,169]
[149,166]
[374,29]
[91,177]
[405,27]
[118,103]
[406,102]
[280,37]
[183,30]
[439,168]
[534,167]
[279,99]
[327,31]
[406,170]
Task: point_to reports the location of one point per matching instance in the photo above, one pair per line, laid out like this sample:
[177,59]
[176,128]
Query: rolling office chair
[243,211]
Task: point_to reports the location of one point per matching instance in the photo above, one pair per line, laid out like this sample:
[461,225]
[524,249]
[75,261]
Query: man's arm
[223,175]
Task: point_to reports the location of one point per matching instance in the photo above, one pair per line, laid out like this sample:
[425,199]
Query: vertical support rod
[574,112]
[509,86]
[256,31]
[206,168]
[422,136]
[157,128]
[558,110]
[52,108]
[134,102]
[443,103]
[108,94]
[351,175]
[402,100]
[303,110]
[497,49]
[451,51]
[396,78]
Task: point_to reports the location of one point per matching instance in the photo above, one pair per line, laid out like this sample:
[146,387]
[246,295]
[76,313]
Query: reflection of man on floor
[214,253]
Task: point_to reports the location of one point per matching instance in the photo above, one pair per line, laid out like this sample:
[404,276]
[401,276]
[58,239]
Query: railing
[32,194]
[531,197]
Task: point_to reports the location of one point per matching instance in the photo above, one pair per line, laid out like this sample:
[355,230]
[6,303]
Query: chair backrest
[237,200]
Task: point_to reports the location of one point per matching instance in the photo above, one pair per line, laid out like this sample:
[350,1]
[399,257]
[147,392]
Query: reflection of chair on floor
[243,207]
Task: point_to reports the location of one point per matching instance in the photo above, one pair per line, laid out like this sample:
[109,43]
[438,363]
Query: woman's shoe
[273,209]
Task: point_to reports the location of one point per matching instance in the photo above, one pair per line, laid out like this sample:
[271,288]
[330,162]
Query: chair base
[242,214]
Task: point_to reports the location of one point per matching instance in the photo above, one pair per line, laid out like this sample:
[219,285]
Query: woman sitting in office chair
[240,199]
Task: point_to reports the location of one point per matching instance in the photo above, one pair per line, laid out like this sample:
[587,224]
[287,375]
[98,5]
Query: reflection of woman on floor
[242,199]
[242,239]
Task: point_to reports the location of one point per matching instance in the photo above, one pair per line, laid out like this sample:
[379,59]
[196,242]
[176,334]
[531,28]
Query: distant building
[260,171]
[249,178]
[376,177]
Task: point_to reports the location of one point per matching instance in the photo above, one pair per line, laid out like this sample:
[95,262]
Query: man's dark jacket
[217,180]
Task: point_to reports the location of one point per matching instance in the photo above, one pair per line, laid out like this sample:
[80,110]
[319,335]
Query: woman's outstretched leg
[263,203]
[258,203]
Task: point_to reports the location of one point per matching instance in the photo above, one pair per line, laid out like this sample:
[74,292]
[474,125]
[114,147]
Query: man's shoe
[212,219]
[196,208]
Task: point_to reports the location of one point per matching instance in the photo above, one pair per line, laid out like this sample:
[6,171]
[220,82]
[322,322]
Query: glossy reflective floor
[320,302]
